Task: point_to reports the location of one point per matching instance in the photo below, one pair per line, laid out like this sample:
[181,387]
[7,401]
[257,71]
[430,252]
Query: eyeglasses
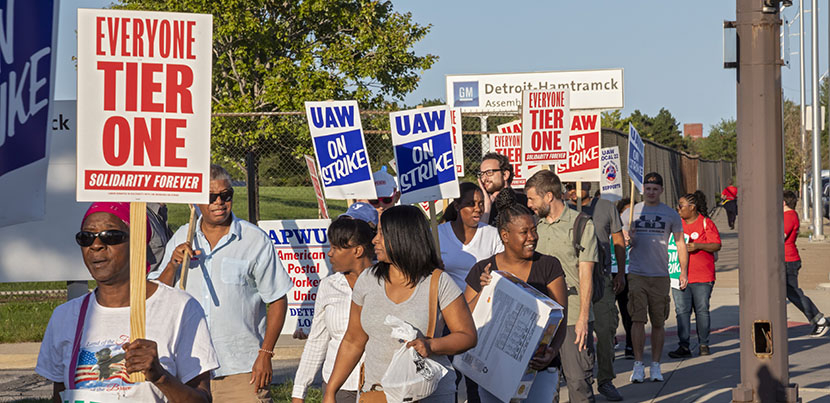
[226,196]
[488,173]
[109,237]
[379,200]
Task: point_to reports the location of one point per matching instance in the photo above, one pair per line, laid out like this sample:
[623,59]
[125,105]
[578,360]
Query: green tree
[274,55]
[614,120]
[720,144]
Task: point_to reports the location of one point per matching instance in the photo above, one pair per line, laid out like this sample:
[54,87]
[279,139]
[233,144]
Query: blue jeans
[797,297]
[696,295]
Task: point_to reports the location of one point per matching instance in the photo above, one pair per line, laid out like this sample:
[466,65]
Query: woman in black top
[517,229]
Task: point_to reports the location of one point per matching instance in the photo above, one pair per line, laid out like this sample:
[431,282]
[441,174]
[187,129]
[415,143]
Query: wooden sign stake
[433,224]
[191,230]
[138,275]
[579,196]
[631,207]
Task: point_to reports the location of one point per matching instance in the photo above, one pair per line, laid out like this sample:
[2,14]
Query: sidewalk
[697,379]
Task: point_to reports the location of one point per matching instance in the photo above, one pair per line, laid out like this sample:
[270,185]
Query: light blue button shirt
[233,281]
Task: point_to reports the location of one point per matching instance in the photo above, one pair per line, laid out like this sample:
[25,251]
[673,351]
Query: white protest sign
[337,134]
[610,183]
[546,118]
[457,141]
[302,247]
[583,157]
[636,157]
[144,99]
[423,154]
[27,67]
[508,142]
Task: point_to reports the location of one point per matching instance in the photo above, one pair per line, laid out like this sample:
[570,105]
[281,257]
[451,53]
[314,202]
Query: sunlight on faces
[520,236]
[341,259]
[380,246]
[218,212]
[538,203]
[497,180]
[108,264]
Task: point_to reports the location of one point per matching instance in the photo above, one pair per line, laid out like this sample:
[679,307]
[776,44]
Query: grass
[275,203]
[23,321]
[37,285]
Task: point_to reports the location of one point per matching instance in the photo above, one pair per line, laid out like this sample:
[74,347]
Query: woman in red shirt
[702,241]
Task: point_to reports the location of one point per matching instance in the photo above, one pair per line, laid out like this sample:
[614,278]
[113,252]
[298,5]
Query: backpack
[598,275]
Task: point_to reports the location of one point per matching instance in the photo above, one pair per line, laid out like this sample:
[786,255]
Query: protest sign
[144,105]
[610,183]
[27,67]
[674,263]
[546,118]
[636,157]
[457,141]
[323,210]
[423,154]
[583,163]
[337,134]
[508,142]
[302,247]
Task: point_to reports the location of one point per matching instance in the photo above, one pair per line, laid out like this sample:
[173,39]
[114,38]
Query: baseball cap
[385,183]
[362,211]
[653,178]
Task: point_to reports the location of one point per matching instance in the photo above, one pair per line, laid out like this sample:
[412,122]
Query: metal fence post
[253,186]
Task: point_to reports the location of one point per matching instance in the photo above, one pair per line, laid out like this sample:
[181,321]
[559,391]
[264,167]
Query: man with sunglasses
[387,191]
[234,274]
[494,174]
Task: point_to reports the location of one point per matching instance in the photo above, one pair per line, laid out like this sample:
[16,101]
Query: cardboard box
[513,320]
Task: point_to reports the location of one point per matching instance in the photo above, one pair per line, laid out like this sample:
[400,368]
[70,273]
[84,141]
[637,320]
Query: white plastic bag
[409,376]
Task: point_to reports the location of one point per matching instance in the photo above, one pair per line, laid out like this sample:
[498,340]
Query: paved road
[698,379]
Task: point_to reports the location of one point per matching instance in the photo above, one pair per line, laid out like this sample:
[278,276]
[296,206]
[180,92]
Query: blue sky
[671,51]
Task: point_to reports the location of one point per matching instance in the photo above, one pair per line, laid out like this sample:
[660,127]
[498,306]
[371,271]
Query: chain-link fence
[264,154]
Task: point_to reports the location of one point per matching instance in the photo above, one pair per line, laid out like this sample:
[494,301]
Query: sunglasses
[225,195]
[488,173]
[384,200]
[108,237]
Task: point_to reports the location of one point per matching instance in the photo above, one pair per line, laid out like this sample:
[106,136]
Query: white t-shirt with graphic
[175,321]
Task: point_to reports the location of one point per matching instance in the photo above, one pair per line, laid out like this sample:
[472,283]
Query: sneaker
[638,374]
[704,349]
[820,329]
[681,352]
[629,353]
[654,372]
[608,390]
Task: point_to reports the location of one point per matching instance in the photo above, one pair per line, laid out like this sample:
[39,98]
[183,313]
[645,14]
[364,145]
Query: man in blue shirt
[234,273]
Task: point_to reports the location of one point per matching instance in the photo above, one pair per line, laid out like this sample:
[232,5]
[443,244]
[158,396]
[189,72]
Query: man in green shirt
[555,229]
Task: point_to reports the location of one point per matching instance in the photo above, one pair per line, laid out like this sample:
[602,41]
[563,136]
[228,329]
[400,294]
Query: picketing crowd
[215,340]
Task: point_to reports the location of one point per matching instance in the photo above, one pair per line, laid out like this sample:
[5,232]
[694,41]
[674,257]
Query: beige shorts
[649,299]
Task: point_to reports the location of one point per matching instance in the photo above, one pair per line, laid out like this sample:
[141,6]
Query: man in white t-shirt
[648,273]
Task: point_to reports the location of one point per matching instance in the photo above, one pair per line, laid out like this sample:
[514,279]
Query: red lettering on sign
[149,87]
[173,142]
[148,141]
[138,42]
[99,35]
[177,88]
[113,156]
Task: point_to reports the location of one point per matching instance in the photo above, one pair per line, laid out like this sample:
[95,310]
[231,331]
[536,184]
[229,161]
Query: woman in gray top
[399,285]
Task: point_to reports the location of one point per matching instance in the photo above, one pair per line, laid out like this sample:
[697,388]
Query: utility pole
[818,229]
[805,205]
[763,321]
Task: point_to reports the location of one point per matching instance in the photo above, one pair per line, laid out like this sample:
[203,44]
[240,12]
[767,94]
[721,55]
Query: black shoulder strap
[579,227]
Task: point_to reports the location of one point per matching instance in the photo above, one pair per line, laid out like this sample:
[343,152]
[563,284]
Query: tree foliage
[274,55]
[720,144]
[663,128]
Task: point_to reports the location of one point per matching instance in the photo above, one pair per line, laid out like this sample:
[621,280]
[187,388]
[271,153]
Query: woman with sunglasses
[399,285]
[87,342]
[351,252]
[702,241]
[517,229]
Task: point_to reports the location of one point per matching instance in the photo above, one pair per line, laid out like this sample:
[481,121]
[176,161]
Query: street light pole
[818,230]
[805,206]
[763,321]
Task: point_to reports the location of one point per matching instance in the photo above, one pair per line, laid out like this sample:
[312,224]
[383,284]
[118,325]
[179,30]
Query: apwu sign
[590,89]
[144,99]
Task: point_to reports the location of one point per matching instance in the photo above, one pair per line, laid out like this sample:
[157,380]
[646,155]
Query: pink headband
[120,210]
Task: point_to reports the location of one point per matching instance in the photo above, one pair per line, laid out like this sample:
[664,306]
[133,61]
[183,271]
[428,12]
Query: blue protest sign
[636,157]
[423,154]
[337,134]
[26,71]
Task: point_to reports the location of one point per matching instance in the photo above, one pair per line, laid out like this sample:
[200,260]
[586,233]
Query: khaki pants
[606,319]
[237,388]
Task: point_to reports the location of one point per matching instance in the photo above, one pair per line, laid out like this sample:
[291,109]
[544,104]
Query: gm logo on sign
[465,93]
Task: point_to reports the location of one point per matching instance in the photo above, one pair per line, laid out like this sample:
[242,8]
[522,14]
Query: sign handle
[579,196]
[138,275]
[191,230]
[433,224]
[631,207]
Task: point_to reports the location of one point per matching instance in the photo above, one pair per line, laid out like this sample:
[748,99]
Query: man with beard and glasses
[494,174]
[234,273]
